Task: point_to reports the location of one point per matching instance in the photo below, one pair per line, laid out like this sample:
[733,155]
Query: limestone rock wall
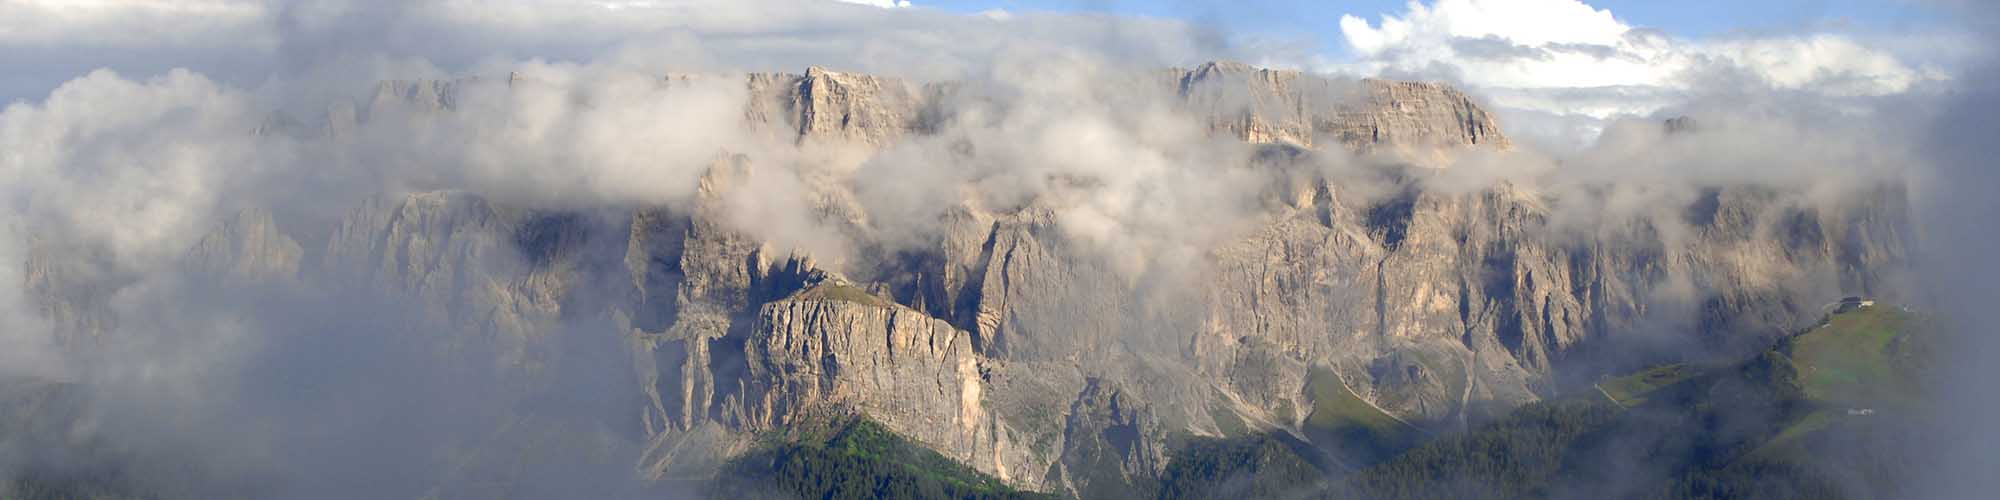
[1278,106]
[837,346]
[1004,346]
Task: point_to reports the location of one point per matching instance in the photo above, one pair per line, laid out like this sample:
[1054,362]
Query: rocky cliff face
[249,247]
[833,345]
[1275,106]
[838,107]
[1002,345]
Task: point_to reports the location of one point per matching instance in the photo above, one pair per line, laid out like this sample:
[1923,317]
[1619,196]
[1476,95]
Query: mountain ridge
[1010,345]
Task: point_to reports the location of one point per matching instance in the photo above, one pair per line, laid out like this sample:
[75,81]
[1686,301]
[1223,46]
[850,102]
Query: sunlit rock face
[1004,343]
[1276,106]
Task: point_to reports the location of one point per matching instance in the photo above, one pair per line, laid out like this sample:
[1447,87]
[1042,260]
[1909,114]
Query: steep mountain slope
[1756,428]
[1005,342]
[1278,106]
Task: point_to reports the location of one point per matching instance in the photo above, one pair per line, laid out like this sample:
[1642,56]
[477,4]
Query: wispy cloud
[127,169]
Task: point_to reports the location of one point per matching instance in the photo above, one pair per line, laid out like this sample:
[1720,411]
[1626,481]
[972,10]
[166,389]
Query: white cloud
[1548,55]
[133,164]
[1527,22]
[886,4]
[1832,64]
[140,167]
[133,22]
[46,43]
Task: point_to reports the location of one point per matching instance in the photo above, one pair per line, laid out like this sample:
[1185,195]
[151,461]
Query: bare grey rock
[836,345]
[248,248]
[70,288]
[1278,106]
[828,105]
[1003,345]
[1439,308]
[1115,445]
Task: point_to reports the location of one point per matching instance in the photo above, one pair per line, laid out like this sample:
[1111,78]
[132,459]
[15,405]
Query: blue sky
[1830,48]
[1554,56]
[1682,18]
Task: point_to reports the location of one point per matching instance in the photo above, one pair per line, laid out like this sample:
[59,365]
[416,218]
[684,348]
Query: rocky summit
[1003,342]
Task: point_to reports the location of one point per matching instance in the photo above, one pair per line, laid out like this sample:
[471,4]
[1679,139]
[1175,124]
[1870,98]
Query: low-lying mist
[180,303]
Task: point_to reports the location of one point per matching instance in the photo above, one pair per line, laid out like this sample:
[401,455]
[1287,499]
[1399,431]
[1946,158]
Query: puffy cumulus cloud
[1511,43]
[134,165]
[199,115]
[1569,44]
[1526,22]
[1566,59]
[1059,113]
[143,166]
[113,181]
[560,135]
[124,174]
[1830,64]
[301,55]
[1119,167]
[1634,168]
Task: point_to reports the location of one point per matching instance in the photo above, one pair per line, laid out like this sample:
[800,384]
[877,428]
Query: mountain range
[1353,311]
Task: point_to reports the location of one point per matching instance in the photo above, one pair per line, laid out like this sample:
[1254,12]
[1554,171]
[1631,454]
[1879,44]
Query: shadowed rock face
[1005,346]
